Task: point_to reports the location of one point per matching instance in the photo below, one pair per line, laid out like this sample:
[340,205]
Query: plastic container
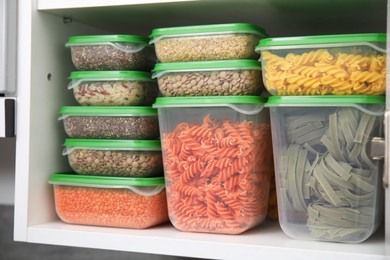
[134,123]
[129,158]
[113,88]
[110,201]
[209,78]
[111,52]
[217,162]
[346,64]
[328,187]
[207,42]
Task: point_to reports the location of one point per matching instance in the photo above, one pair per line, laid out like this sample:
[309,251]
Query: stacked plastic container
[215,131]
[114,147]
[327,106]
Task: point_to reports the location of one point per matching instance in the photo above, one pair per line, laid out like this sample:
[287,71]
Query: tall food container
[328,187]
[217,161]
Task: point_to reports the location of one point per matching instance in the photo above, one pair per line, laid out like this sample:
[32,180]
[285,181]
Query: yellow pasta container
[345,64]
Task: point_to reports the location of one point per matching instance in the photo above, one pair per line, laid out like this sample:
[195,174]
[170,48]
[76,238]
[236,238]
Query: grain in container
[345,64]
[128,158]
[108,122]
[207,42]
[217,161]
[209,78]
[111,52]
[113,88]
[328,186]
[109,201]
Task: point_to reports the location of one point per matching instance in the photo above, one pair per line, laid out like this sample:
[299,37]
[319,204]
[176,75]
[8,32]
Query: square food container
[110,201]
[209,78]
[217,162]
[134,123]
[346,64]
[207,42]
[111,52]
[127,158]
[328,186]
[113,88]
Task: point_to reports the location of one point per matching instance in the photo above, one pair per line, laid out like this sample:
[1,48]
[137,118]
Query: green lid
[324,100]
[207,29]
[154,145]
[86,39]
[108,110]
[322,39]
[138,75]
[208,65]
[208,100]
[88,180]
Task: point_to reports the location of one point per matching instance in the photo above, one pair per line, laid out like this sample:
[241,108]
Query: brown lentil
[116,162]
[206,83]
[109,207]
[112,127]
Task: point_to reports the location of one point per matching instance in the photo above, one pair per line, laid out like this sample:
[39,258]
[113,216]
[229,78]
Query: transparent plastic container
[111,52]
[209,78]
[328,187]
[207,42]
[345,64]
[217,162]
[110,201]
[113,88]
[133,123]
[126,158]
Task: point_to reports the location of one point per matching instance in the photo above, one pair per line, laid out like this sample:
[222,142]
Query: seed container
[209,78]
[207,42]
[110,201]
[217,162]
[328,186]
[113,88]
[134,123]
[346,64]
[129,158]
[111,52]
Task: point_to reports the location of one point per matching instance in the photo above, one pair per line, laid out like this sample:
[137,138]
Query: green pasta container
[217,161]
[344,64]
[328,186]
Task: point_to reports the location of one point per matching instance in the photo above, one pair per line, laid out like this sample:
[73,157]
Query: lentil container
[209,78]
[110,201]
[217,162]
[128,158]
[207,42]
[113,88]
[111,52]
[134,123]
[345,64]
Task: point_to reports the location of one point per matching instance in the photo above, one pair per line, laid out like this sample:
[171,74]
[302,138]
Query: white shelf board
[264,242]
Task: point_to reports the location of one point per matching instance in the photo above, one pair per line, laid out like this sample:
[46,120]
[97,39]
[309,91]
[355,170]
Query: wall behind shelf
[7,170]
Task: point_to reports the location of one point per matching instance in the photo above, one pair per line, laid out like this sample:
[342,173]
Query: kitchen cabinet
[44,65]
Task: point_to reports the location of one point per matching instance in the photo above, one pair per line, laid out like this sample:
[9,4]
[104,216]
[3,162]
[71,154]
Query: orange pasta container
[345,64]
[110,201]
[217,156]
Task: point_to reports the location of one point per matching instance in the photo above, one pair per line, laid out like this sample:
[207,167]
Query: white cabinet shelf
[41,51]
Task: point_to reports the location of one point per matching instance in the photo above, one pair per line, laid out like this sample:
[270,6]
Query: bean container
[106,122]
[110,201]
[111,52]
[113,88]
[129,158]
[328,186]
[346,64]
[209,78]
[207,42]
[217,162]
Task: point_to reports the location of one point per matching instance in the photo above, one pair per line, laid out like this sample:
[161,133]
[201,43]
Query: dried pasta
[218,175]
[321,72]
